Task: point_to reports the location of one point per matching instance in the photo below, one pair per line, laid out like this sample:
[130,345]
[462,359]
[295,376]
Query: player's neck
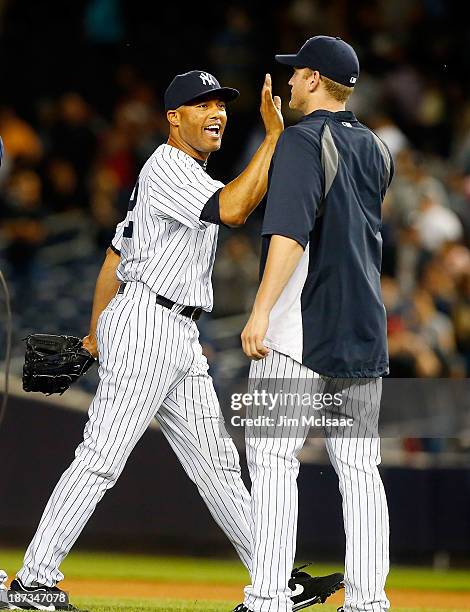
[188,149]
[324,104]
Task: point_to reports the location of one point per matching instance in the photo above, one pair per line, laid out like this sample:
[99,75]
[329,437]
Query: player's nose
[217,112]
[219,116]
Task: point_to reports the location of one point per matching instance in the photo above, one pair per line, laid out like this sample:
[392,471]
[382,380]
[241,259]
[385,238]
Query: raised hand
[271,109]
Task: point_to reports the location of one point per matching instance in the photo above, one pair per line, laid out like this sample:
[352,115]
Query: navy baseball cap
[195,84]
[331,56]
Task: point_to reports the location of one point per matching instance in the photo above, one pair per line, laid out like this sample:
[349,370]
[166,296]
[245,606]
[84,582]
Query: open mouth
[213,130]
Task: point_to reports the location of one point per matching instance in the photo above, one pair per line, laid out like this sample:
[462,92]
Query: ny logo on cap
[353,79]
[207,78]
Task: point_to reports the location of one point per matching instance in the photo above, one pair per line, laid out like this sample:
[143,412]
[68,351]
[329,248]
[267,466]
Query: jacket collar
[338,116]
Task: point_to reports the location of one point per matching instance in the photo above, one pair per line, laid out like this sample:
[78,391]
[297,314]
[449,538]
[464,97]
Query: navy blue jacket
[327,181]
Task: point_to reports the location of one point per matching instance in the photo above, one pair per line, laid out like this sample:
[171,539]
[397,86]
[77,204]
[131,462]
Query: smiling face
[197,128]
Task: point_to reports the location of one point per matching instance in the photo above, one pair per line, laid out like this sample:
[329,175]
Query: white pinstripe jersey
[162,241]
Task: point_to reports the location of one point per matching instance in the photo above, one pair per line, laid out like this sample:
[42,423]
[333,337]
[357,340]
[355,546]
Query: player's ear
[313,80]
[173,117]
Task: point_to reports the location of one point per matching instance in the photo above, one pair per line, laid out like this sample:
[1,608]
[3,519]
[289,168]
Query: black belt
[193,312]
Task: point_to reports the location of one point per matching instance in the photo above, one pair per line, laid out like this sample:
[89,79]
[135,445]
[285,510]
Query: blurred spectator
[61,191]
[404,91]
[105,203]
[19,138]
[117,156]
[461,316]
[390,133]
[23,227]
[235,276]
[73,137]
[139,116]
[439,284]
[459,200]
[233,54]
[412,182]
[433,327]
[436,224]
[404,347]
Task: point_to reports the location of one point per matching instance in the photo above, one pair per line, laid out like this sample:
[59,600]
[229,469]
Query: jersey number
[129,229]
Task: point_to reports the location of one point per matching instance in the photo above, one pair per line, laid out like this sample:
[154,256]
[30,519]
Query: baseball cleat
[309,590]
[41,597]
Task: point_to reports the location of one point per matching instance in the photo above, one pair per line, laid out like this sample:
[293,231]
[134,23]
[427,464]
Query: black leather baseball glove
[52,363]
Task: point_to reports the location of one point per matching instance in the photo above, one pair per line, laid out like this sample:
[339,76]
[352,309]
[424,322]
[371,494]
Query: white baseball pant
[274,467]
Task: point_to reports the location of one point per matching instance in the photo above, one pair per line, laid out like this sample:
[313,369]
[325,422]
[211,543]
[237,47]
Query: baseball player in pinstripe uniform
[143,328]
[319,323]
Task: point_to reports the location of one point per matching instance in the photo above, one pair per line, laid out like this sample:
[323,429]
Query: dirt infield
[219,592]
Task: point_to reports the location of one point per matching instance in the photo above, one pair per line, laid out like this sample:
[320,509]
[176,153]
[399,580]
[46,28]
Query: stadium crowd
[89,114]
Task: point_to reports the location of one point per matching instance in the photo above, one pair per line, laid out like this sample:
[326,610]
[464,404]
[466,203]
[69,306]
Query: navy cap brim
[289,60]
[228,94]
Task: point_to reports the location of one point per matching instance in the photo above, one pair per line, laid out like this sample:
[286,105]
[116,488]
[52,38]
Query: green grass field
[134,568]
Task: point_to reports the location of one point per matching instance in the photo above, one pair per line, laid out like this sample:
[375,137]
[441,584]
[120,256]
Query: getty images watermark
[347,407]
[265,408]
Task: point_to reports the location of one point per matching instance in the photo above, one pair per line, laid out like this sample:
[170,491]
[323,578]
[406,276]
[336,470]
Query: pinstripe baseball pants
[274,467]
[151,365]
